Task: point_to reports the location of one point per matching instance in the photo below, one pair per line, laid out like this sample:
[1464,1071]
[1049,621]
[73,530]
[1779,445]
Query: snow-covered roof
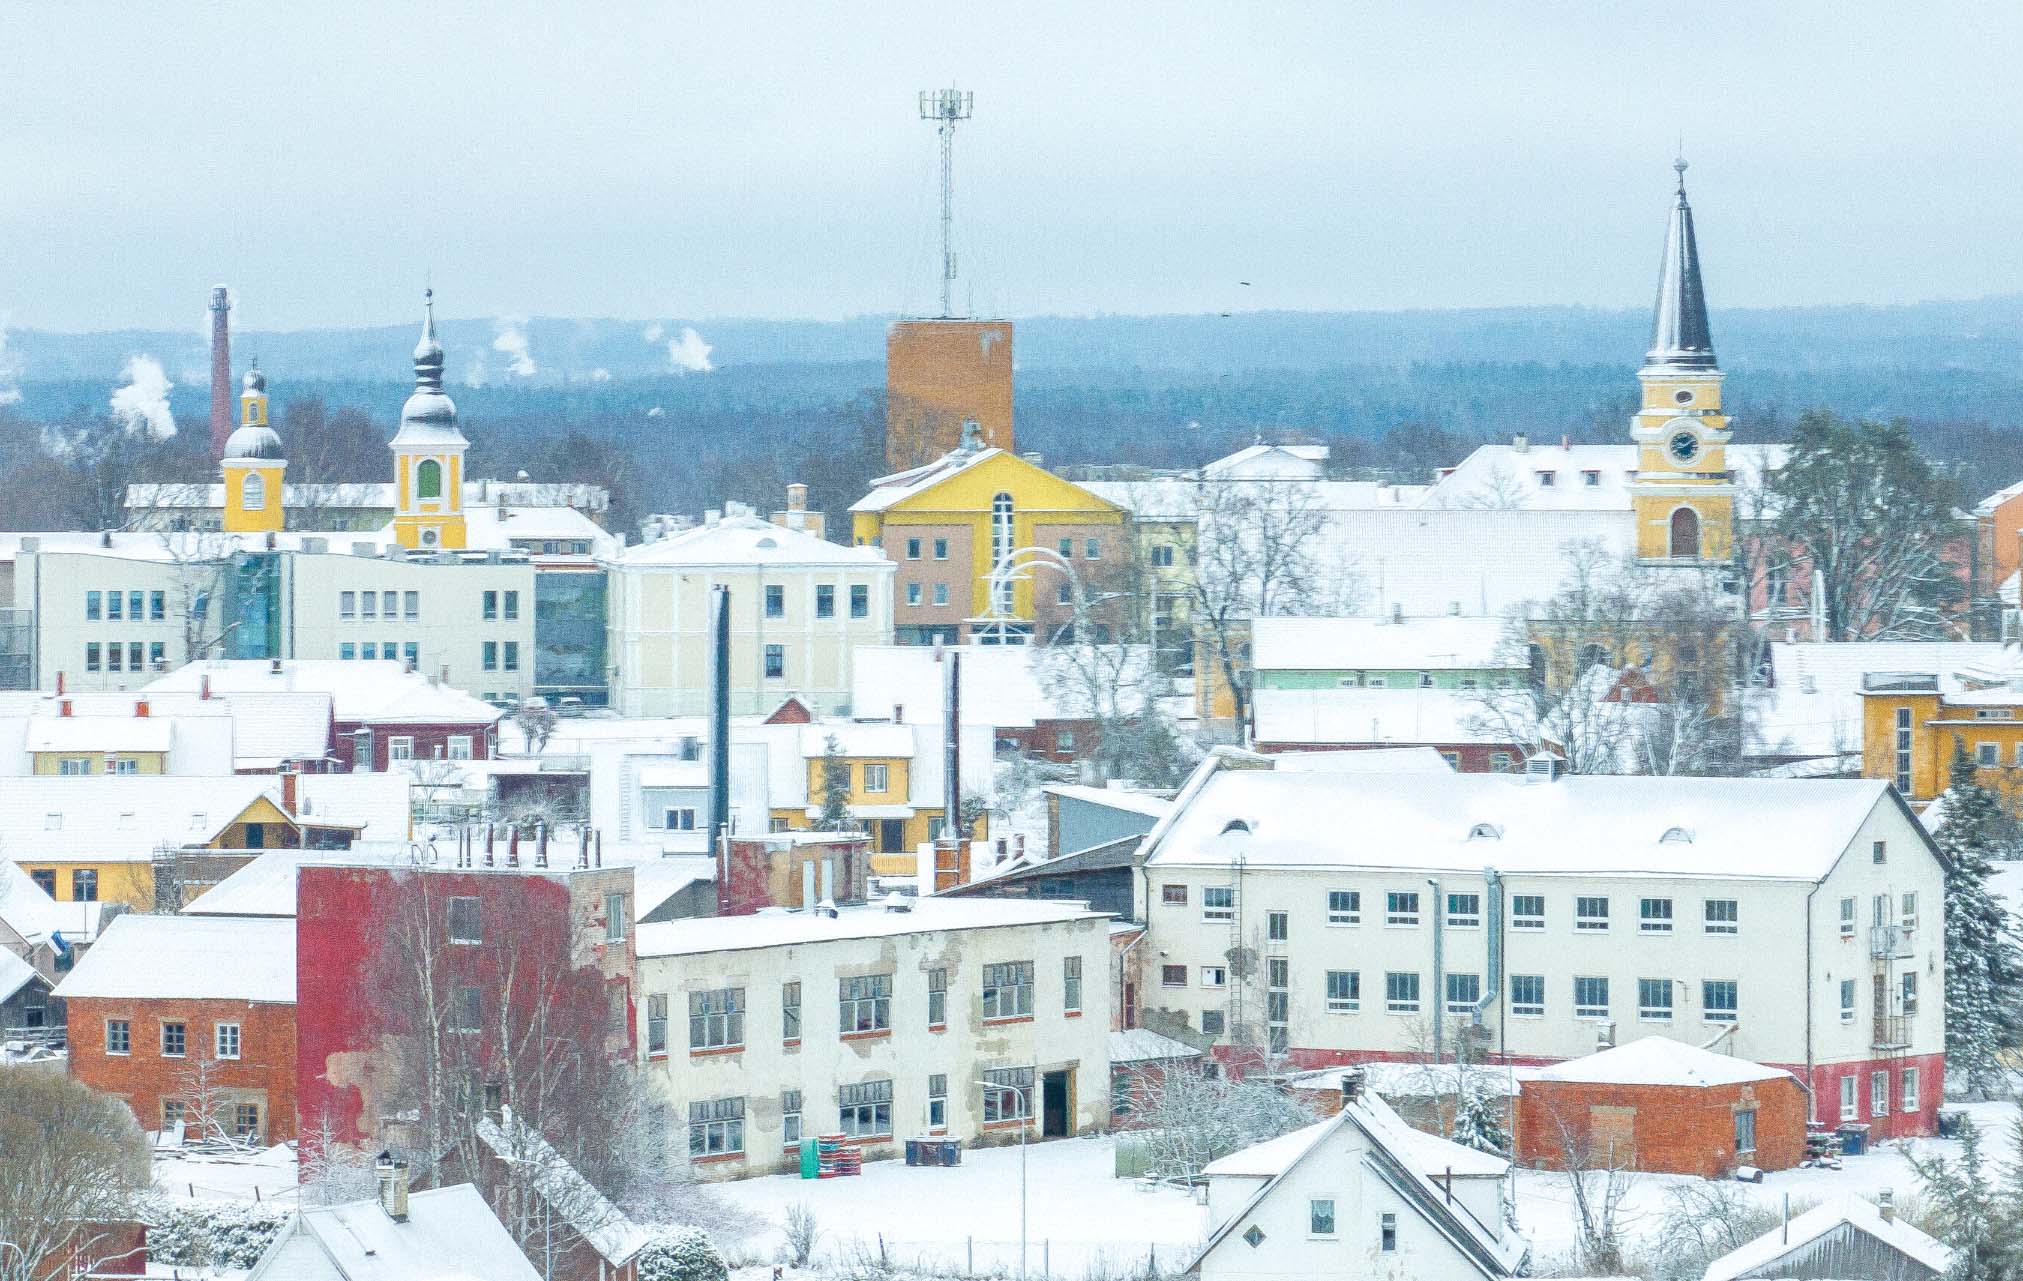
[781,928]
[887,491]
[608,1230]
[1271,462]
[1659,1060]
[1127,799]
[26,907]
[1812,705]
[121,817]
[1006,686]
[1855,1211]
[450,1234]
[857,739]
[375,691]
[1367,760]
[1405,1080]
[1182,498]
[1142,1045]
[746,541]
[1416,716]
[1269,1158]
[1343,644]
[127,733]
[377,805]
[1429,1153]
[375,495]
[656,880]
[1578,825]
[15,974]
[188,958]
[1583,477]
[266,886]
[1429,562]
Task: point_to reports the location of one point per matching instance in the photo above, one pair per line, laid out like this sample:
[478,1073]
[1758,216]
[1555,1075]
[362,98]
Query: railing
[1887,941]
[1901,682]
[1892,1032]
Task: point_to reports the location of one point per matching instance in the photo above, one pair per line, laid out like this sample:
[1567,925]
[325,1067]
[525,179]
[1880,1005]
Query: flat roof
[779,927]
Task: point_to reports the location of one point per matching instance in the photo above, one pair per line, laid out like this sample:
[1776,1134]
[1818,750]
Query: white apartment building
[957,1018]
[1794,923]
[799,606]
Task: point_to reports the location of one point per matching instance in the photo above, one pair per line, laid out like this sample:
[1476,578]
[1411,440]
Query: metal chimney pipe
[221,371]
[951,747]
[719,716]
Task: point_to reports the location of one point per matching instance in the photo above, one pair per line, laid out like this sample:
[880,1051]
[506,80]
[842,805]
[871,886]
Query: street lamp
[1025,1119]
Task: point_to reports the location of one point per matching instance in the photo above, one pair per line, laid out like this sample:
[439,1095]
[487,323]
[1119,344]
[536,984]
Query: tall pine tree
[835,789]
[1984,969]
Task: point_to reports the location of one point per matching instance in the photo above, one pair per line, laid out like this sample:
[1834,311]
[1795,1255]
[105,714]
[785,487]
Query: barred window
[1007,1094]
[1007,989]
[716,1127]
[716,1018]
[865,1003]
[864,1110]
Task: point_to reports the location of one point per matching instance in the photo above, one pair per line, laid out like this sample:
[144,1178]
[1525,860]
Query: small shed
[1845,1238]
[1140,1059]
[1663,1106]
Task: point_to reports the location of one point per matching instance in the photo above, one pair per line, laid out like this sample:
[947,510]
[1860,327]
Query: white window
[1655,916]
[913,593]
[1321,1217]
[1401,908]
[1591,997]
[1723,915]
[1345,907]
[460,747]
[1654,1000]
[1720,1000]
[678,818]
[875,778]
[1847,991]
[1401,992]
[1848,1111]
[1464,911]
[1345,991]
[400,747]
[347,604]
[1218,903]
[1879,1094]
[1907,909]
[1590,913]
[1214,976]
[1277,926]
[1527,995]
[227,1040]
[1527,911]
[1987,754]
[1745,1131]
[941,593]
[1847,918]
[1910,1101]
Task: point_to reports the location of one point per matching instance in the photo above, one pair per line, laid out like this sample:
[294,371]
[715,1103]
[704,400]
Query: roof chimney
[140,707]
[288,785]
[63,707]
[203,686]
[1352,1085]
[1886,1205]
[221,371]
[392,1186]
[1520,442]
[797,497]
[59,682]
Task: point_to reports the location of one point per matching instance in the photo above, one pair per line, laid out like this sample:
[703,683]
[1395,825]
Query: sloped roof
[886,491]
[607,1229]
[1334,644]
[1659,1060]
[375,691]
[1812,707]
[127,733]
[1820,1220]
[15,974]
[26,907]
[1142,1045]
[1413,716]
[188,958]
[450,1235]
[122,817]
[750,541]
[927,915]
[1005,686]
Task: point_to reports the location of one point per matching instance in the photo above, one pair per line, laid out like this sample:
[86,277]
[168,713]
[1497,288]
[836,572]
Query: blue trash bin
[1853,1140]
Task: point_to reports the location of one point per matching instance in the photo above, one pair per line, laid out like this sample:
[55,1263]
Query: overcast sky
[687,161]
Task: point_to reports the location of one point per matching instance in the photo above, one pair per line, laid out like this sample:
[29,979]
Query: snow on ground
[263,1176]
[1080,1217]
[2007,884]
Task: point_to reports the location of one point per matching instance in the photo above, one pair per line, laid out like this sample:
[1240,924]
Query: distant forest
[1395,394]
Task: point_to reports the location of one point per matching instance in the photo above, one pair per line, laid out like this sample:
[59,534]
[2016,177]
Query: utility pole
[945,107]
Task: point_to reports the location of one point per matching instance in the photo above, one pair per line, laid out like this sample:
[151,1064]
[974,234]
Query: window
[245,1120]
[776,601]
[716,1019]
[118,1036]
[91,661]
[913,593]
[347,651]
[467,1009]
[1546,478]
[175,1040]
[1879,1094]
[1162,555]
[1745,1131]
[937,998]
[1218,903]
[410,605]
[1071,984]
[368,604]
[937,1101]
[825,601]
[1067,548]
[875,778]
[1847,991]
[1910,1097]
[114,605]
[1907,911]
[114,652]
[172,1113]
[1214,975]
[1590,997]
[864,1110]
[656,1024]
[70,766]
[512,662]
[511,610]
[1278,1004]
[1654,1000]
[92,612]
[1003,539]
[1907,994]
[1590,913]
[1277,925]
[1345,907]
[1718,999]
[157,655]
[1655,916]
[941,593]
[84,885]
[941,549]
[225,1040]
[1172,976]
[1345,991]
[864,1004]
[1464,992]
[347,604]
[400,747]
[389,604]
[790,1011]
[1847,918]
[1879,852]
[1401,992]
[1008,990]
[716,1127]
[1591,478]
[1723,915]
[1401,907]
[466,924]
[1211,1022]
[776,662]
[1527,995]
[460,747]
[1066,594]
[1321,1217]
[913,549]
[1848,1111]
[1007,1094]
[790,1118]
[860,601]
[1387,1233]
[678,818]
[1987,754]
[491,656]
[1464,911]
[428,479]
[616,916]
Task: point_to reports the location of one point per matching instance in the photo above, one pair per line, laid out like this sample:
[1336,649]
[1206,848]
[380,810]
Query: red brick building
[495,952]
[1664,1107]
[190,1019]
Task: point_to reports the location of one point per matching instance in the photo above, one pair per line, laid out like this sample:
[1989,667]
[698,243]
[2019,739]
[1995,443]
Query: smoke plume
[10,370]
[689,353]
[512,344]
[142,405]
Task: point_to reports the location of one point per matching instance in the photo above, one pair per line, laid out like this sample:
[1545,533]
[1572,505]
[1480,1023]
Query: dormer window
[1680,835]
[1235,825]
[1591,478]
[1485,832]
[1545,479]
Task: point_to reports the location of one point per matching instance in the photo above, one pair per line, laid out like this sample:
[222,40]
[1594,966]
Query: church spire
[428,353]
[1680,336]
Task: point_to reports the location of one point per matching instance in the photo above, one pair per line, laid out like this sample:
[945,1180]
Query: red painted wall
[1677,1129]
[428,739]
[145,1077]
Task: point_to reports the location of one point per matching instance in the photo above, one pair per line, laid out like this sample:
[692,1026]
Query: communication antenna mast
[945,107]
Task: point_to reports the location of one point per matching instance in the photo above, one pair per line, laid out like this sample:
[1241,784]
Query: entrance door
[1056,1118]
[891,836]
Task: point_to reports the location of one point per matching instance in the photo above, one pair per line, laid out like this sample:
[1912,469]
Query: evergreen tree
[1984,969]
[1478,1119]
[835,789]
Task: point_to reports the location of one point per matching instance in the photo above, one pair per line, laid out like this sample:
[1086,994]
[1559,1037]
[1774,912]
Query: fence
[1046,1259]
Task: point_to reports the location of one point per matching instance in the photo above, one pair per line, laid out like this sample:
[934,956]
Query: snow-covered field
[263,1176]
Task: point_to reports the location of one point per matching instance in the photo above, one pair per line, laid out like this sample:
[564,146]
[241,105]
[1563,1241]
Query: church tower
[1682,493]
[252,466]
[428,452]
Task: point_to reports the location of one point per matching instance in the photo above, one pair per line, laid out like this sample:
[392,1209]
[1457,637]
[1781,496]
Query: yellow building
[1911,727]
[894,788]
[950,524]
[428,452]
[253,466]
[1682,493]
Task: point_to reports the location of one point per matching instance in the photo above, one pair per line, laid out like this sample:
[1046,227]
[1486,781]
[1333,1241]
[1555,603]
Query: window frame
[1654,915]
[1002,979]
[1524,1009]
[717,1017]
[1585,919]
[1349,911]
[1727,927]
[863,1004]
[220,1040]
[1401,909]
[1588,1009]
[1349,1000]
[1396,1001]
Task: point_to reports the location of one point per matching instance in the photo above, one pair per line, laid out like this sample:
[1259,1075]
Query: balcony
[1892,1032]
[1889,942]
[1900,683]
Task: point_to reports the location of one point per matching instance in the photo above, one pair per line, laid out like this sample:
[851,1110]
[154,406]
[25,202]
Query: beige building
[799,606]
[957,1018]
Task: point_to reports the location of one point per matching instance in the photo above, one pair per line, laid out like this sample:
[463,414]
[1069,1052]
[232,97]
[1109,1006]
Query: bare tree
[535,721]
[1600,1172]
[75,1160]
[200,565]
[1190,1119]
[333,1171]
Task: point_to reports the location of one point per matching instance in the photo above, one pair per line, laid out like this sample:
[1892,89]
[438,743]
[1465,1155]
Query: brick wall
[1674,1129]
[264,1072]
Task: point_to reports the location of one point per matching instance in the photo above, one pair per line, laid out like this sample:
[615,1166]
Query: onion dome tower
[428,452]
[252,465]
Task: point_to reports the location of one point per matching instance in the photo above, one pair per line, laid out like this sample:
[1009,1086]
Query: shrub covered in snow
[681,1254]
[224,1234]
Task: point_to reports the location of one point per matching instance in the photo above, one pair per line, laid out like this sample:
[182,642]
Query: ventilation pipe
[1439,974]
[719,716]
[1492,920]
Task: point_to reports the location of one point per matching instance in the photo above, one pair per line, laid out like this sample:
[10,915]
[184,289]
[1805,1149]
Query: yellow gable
[1034,491]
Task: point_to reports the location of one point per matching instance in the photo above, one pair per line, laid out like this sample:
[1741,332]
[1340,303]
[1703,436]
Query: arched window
[428,479]
[1001,547]
[1686,534]
[253,492]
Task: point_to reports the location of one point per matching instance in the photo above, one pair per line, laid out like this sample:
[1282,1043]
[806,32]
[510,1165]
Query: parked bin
[916,1153]
[1952,1122]
[1853,1139]
[811,1160]
[950,1151]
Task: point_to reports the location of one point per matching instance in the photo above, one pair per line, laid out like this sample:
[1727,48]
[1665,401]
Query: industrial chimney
[221,371]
